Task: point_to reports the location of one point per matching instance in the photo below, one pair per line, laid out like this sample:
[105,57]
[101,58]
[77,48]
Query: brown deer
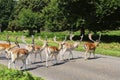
[52,51]
[19,54]
[69,47]
[37,49]
[91,46]
[6,46]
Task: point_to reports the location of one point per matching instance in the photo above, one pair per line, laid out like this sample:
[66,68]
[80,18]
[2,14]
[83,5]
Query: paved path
[101,68]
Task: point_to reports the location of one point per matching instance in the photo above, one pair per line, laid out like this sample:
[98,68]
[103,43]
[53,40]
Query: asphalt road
[100,68]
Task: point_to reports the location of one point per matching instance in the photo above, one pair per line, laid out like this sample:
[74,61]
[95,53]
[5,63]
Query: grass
[110,41]
[10,74]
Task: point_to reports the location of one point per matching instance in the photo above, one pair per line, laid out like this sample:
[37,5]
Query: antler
[81,37]
[71,36]
[90,37]
[64,40]
[23,39]
[99,37]
[39,38]
[54,39]
[8,39]
[16,41]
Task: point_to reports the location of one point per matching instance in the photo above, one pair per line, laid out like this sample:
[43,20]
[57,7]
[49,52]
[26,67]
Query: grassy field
[110,40]
[10,74]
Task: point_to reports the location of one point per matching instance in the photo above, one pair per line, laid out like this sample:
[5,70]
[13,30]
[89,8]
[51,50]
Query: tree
[34,5]
[6,8]
[28,20]
[54,19]
[60,15]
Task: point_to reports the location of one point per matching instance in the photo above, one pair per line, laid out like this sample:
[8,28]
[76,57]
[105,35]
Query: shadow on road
[97,57]
[32,68]
[3,58]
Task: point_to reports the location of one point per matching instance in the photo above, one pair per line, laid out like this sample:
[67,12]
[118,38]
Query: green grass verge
[10,74]
[109,46]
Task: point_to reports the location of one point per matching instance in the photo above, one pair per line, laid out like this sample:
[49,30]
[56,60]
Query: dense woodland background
[59,15]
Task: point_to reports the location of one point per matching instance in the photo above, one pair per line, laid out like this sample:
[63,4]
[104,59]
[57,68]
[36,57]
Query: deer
[19,54]
[6,46]
[91,46]
[52,51]
[37,49]
[16,45]
[69,47]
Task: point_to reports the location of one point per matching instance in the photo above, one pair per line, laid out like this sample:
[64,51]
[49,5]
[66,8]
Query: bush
[10,74]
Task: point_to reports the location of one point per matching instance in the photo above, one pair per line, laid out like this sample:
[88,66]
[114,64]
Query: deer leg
[35,56]
[40,57]
[70,54]
[89,55]
[24,63]
[28,60]
[9,64]
[52,55]
[47,56]
[55,58]
[94,54]
[62,55]
[85,55]
[13,59]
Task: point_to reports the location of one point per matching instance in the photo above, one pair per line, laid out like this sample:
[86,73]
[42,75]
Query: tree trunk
[31,32]
[0,27]
[38,30]
[82,31]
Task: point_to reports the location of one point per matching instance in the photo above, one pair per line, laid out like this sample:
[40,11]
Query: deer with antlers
[91,46]
[37,49]
[19,54]
[69,47]
[52,51]
[7,46]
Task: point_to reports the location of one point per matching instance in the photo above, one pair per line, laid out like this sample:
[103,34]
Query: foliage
[6,8]
[11,74]
[28,20]
[61,15]
[54,19]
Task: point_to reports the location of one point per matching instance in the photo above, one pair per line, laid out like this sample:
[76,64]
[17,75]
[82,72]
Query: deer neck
[76,44]
[60,47]
[96,43]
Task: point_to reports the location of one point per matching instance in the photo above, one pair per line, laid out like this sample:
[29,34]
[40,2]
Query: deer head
[16,41]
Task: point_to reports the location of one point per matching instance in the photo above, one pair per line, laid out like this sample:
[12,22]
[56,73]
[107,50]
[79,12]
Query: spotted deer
[37,49]
[19,54]
[91,46]
[69,47]
[52,51]
[6,46]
